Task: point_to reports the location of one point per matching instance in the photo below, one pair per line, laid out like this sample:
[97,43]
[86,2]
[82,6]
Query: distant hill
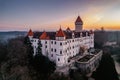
[4,36]
[102,36]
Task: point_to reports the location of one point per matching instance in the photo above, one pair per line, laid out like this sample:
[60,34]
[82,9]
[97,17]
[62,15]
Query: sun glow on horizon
[49,15]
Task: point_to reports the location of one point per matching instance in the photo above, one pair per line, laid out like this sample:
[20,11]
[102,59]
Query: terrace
[89,62]
[85,58]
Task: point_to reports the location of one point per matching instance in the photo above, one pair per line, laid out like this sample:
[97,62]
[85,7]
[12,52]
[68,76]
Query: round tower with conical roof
[78,24]
[30,34]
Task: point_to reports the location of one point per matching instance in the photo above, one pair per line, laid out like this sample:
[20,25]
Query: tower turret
[78,24]
[30,34]
[60,35]
[44,36]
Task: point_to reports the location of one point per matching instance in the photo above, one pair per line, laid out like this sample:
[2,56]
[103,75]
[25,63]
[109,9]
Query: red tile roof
[60,33]
[44,36]
[68,29]
[79,19]
[30,33]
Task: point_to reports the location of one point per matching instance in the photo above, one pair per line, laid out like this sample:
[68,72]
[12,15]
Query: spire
[30,33]
[79,20]
[44,36]
[60,33]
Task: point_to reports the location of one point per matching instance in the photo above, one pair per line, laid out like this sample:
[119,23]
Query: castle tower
[78,24]
[44,36]
[60,35]
[30,34]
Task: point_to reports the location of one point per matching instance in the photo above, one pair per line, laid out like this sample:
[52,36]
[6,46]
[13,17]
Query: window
[68,60]
[55,50]
[55,42]
[60,44]
[41,45]
[72,40]
[68,48]
[51,55]
[65,42]
[39,42]
[31,40]
[60,52]
[52,49]
[45,42]
[46,46]
[58,59]
[73,47]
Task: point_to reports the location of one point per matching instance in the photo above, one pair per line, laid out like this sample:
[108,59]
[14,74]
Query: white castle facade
[62,45]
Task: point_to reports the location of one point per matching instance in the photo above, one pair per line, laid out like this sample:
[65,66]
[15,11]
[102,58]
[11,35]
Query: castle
[60,46]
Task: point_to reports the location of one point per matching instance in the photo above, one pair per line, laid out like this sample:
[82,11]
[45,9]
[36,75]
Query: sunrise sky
[50,14]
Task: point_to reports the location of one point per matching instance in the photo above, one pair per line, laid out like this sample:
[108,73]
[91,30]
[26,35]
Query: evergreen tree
[39,51]
[29,49]
[106,69]
[3,52]
[27,41]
